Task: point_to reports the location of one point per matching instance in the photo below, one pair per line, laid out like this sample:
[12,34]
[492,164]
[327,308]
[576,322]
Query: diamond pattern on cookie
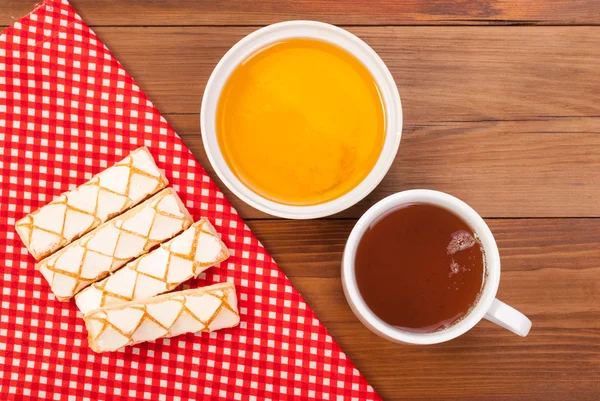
[77,212]
[201,309]
[161,270]
[115,243]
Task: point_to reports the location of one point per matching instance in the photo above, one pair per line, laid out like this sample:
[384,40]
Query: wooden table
[502,109]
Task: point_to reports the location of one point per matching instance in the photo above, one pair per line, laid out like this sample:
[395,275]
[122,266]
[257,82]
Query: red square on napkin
[68,109]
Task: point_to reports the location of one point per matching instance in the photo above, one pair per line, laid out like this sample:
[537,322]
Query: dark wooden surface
[506,117]
[344,12]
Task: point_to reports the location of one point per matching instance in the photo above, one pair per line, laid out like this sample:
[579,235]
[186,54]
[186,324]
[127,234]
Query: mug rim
[313,30]
[459,208]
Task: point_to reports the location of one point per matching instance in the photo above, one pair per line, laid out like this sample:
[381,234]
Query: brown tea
[420,268]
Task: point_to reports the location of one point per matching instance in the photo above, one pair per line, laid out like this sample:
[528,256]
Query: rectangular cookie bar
[114,243]
[77,212]
[161,270]
[201,309]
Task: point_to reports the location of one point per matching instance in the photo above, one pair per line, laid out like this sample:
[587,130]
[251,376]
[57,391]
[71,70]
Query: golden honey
[301,122]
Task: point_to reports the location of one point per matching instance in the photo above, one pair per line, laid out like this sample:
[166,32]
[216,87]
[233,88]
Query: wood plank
[443,73]
[550,271]
[542,168]
[376,12]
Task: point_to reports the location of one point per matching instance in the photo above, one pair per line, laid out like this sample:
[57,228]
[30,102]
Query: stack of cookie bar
[118,241]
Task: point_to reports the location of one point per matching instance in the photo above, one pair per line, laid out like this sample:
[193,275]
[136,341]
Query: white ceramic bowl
[314,30]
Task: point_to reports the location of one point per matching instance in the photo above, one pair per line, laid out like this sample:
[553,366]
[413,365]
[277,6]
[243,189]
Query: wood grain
[540,168]
[550,271]
[355,12]
[505,117]
[443,73]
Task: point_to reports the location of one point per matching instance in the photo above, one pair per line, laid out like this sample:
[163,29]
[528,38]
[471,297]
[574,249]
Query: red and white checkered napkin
[68,109]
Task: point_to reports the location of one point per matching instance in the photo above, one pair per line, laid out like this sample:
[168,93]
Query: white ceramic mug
[313,30]
[488,306]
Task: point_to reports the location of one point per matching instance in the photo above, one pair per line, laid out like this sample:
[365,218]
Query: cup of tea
[422,267]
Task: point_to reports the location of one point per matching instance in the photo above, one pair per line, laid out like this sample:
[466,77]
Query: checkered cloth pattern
[68,110]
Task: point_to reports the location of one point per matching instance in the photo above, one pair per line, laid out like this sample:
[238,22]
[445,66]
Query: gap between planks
[489,24]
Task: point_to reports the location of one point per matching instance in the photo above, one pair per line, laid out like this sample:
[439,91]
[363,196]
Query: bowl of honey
[301,119]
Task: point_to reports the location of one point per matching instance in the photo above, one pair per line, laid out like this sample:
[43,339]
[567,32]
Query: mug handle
[508,317]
